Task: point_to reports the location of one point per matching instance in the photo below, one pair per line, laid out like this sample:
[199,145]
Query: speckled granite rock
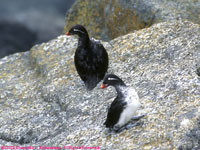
[43,102]
[108,19]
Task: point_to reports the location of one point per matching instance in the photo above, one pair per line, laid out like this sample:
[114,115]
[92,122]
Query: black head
[77,30]
[113,80]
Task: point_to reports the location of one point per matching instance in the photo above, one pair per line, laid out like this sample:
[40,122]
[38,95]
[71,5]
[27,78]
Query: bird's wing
[114,112]
[101,57]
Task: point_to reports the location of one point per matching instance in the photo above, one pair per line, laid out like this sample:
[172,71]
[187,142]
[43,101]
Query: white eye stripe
[78,31]
[112,79]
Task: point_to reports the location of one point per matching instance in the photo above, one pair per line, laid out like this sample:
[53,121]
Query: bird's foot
[118,129]
[137,118]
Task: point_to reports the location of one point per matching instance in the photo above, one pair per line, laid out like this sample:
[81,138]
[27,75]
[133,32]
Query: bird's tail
[92,82]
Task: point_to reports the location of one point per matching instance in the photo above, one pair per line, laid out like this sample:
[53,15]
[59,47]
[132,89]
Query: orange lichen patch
[123,21]
[104,19]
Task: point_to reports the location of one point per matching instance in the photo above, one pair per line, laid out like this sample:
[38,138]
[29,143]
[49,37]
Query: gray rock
[108,19]
[175,10]
[43,102]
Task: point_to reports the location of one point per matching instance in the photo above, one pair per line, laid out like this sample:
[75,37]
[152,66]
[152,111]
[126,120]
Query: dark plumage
[91,58]
[124,106]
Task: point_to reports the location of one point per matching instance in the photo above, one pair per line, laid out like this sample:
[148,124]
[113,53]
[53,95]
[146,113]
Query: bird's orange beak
[67,33]
[103,86]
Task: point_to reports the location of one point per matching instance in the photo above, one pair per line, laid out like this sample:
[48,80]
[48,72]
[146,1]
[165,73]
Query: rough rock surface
[108,19]
[43,102]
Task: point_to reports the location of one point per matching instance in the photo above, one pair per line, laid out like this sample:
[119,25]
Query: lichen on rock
[44,102]
[108,19]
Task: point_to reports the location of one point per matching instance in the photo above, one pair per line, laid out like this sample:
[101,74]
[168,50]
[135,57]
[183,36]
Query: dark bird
[91,58]
[124,106]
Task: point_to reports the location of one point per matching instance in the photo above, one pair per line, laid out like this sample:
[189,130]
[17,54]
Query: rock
[44,102]
[109,19]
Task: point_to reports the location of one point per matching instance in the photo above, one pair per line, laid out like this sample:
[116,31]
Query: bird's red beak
[103,86]
[67,33]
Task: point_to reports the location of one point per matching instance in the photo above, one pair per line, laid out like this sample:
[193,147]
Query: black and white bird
[91,58]
[124,106]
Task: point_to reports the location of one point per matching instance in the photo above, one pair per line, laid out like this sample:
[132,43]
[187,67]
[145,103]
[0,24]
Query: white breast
[132,99]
